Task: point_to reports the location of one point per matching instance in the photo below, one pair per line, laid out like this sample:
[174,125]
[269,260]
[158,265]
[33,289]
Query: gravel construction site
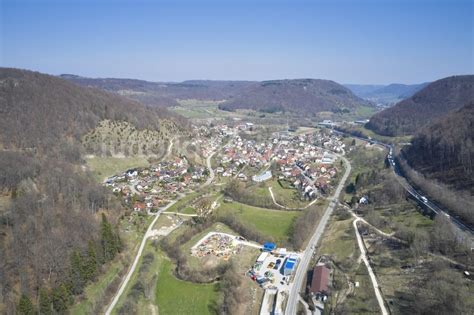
[221,245]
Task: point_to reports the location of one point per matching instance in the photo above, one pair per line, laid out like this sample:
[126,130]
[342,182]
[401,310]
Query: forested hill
[433,101]
[164,94]
[385,94]
[56,222]
[444,149]
[43,112]
[304,96]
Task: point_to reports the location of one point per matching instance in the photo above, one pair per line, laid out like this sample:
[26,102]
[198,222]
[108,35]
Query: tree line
[83,268]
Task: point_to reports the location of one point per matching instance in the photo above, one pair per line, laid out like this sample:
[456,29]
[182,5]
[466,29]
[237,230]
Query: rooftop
[319,282]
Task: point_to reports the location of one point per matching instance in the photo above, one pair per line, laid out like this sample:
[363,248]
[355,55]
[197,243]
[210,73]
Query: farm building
[320,280]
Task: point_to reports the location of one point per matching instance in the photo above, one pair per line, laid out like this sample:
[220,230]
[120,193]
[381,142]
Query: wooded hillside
[435,100]
[165,94]
[44,112]
[56,223]
[444,149]
[304,96]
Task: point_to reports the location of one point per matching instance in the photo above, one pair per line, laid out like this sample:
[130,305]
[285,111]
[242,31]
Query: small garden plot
[217,244]
[165,225]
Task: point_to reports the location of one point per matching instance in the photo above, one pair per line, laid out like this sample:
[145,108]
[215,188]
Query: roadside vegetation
[460,202]
[363,132]
[420,251]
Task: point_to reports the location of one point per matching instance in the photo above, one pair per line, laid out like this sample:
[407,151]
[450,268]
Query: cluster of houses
[147,189]
[303,160]
[308,167]
[207,139]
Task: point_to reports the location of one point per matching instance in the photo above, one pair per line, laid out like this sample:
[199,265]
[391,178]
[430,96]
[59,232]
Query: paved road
[300,274]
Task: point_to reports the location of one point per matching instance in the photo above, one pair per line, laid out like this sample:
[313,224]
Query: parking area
[274,269]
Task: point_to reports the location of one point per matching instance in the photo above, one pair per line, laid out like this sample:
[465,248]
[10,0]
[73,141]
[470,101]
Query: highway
[416,194]
[300,274]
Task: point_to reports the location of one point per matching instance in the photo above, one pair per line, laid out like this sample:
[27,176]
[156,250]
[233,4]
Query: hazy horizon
[349,42]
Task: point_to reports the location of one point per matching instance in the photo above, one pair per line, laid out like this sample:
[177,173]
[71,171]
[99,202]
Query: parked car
[277,265]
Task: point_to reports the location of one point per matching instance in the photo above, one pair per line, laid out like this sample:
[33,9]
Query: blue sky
[362,41]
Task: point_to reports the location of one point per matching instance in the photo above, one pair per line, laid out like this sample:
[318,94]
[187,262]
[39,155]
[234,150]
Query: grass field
[197,109]
[363,300]
[181,297]
[103,167]
[364,112]
[339,241]
[287,197]
[386,139]
[274,223]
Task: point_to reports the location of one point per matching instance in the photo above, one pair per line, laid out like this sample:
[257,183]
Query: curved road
[147,235]
[300,274]
[137,258]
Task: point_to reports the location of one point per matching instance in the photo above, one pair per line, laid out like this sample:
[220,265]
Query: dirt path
[170,148]
[375,285]
[137,258]
[181,214]
[288,208]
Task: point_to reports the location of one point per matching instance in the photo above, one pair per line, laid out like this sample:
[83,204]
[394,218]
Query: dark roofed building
[320,280]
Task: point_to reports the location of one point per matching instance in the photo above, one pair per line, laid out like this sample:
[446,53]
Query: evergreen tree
[90,268]
[25,307]
[350,189]
[109,240]
[61,298]
[76,274]
[44,302]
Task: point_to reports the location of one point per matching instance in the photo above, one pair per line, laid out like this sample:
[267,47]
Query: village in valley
[303,165]
[244,203]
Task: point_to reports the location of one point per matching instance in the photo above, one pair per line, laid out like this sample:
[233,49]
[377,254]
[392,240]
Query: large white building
[262,177]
